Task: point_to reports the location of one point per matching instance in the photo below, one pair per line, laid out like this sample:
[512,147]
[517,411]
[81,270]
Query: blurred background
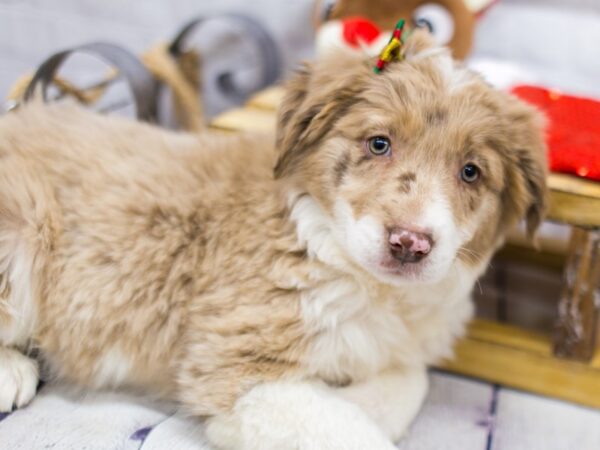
[555,40]
[31,30]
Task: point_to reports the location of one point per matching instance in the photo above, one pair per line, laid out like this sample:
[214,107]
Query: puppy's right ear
[288,129]
[317,96]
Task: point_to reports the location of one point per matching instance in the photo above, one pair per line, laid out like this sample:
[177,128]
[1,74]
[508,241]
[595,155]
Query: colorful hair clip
[391,52]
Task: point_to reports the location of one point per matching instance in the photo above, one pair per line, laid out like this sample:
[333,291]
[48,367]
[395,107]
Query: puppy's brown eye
[470,173]
[379,145]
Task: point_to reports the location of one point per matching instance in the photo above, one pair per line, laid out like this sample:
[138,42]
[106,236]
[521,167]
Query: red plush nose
[359,30]
[409,246]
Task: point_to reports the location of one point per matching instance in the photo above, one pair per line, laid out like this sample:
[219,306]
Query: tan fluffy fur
[174,263]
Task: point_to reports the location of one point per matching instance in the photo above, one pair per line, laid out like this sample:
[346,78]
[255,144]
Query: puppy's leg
[392,399]
[27,227]
[18,379]
[295,416]
[18,373]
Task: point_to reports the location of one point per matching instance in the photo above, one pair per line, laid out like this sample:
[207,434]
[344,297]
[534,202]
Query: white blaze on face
[438,217]
[365,239]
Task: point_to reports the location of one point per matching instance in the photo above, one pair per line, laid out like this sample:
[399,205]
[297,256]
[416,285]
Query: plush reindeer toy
[363,25]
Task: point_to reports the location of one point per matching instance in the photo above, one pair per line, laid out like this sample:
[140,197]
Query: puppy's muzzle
[409,246]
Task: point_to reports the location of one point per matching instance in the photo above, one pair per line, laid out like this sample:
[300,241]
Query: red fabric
[359,30]
[573,130]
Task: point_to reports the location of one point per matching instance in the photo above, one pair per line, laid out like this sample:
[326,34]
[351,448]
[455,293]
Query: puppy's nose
[409,246]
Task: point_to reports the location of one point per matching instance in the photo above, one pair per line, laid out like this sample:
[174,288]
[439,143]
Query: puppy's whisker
[470,255]
[471,259]
[469,251]
[478,282]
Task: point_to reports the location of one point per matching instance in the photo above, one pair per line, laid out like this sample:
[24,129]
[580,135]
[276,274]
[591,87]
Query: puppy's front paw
[295,416]
[18,379]
[229,433]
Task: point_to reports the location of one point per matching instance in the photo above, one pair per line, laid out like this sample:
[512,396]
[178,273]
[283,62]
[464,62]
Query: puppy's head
[417,167]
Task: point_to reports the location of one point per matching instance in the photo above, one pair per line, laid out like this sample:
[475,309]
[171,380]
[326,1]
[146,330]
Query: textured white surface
[177,432]
[456,416]
[459,414]
[57,419]
[528,422]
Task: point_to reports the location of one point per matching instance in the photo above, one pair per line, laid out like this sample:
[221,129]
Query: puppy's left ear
[528,170]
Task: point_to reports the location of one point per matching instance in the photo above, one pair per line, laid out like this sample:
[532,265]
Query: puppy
[291,296]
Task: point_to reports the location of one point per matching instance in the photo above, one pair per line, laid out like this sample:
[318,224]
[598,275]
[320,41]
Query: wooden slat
[576,329]
[516,358]
[574,185]
[509,336]
[528,422]
[268,99]
[246,119]
[58,420]
[454,416]
[595,363]
[574,209]
[574,200]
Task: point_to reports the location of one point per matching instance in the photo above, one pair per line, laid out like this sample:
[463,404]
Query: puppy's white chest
[352,337]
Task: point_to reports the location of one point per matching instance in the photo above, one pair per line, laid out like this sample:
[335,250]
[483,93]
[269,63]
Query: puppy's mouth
[400,267]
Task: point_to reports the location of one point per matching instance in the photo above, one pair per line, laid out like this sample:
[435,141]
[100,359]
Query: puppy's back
[68,145]
[104,222]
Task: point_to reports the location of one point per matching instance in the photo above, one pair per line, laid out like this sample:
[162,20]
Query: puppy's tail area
[29,226]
